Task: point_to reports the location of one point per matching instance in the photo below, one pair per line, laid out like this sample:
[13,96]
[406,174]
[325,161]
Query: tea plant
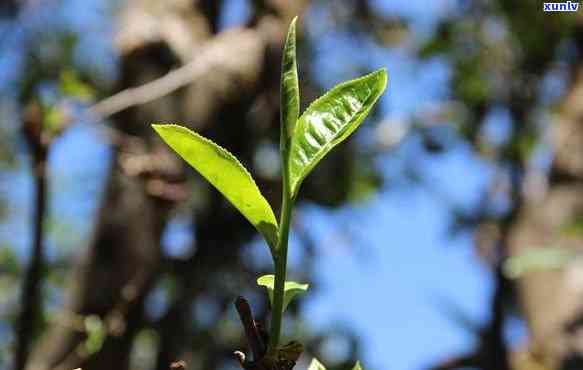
[304,141]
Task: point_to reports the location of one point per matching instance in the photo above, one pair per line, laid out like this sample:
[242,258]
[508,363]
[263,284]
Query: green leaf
[225,173]
[316,365]
[357,366]
[95,334]
[290,91]
[72,85]
[329,121]
[534,259]
[290,290]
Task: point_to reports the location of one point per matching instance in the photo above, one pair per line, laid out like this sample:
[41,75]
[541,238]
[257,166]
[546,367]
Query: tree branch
[223,52]
[31,303]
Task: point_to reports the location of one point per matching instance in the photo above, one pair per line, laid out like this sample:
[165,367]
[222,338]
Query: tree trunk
[552,299]
[123,258]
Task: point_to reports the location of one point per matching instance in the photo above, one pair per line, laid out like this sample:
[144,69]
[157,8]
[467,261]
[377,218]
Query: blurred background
[445,234]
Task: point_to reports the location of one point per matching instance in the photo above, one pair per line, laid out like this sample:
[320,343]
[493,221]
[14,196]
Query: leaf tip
[266,280]
[316,365]
[292,24]
[290,41]
[383,76]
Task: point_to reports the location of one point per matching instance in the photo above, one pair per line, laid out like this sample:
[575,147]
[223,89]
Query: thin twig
[209,56]
[251,330]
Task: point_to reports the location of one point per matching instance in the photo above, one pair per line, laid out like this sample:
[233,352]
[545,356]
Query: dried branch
[251,331]
[217,54]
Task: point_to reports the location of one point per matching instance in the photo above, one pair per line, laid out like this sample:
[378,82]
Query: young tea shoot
[304,141]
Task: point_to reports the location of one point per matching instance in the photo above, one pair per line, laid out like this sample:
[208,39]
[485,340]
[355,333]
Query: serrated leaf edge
[227,154]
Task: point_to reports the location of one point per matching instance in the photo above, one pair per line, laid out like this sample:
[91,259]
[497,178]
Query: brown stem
[251,330]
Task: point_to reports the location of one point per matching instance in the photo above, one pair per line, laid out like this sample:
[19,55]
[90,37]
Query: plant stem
[280,266]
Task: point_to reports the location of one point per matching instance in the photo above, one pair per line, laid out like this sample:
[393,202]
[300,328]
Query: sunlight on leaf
[330,120]
[291,289]
[290,91]
[225,173]
[316,365]
[357,366]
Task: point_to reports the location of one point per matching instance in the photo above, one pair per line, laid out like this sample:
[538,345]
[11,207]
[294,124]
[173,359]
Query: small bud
[240,357]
